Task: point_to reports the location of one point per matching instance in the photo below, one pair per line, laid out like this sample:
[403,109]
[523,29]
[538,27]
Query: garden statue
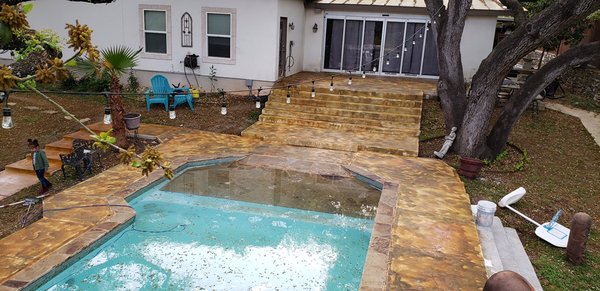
[449,139]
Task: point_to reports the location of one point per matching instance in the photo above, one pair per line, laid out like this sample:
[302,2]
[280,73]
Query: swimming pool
[182,238]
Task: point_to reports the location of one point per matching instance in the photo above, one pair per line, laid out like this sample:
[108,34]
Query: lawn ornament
[448,140]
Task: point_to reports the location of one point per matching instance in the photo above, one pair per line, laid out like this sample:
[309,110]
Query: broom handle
[523,215]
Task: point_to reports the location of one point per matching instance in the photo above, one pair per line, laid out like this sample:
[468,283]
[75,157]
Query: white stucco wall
[294,11]
[256,34]
[477,42]
[313,41]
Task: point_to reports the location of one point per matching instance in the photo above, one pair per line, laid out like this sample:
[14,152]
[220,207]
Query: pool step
[502,250]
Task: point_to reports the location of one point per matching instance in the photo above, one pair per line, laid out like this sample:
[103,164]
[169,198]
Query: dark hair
[33,142]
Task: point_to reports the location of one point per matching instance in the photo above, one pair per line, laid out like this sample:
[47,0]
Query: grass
[561,172]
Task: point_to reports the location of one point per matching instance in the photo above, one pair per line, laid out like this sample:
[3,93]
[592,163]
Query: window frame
[168,31]
[232,35]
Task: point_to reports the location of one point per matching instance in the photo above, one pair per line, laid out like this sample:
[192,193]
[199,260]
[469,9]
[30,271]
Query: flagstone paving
[424,237]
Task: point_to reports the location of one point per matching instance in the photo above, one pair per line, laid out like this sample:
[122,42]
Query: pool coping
[430,199]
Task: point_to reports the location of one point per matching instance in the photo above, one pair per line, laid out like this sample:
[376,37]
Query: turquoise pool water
[191,242]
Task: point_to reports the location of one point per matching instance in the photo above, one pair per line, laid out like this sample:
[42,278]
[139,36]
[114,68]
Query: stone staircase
[502,250]
[53,150]
[348,119]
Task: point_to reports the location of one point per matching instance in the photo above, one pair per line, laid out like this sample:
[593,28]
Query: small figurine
[449,139]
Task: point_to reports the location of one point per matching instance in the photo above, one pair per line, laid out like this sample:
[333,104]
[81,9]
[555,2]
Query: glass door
[411,63]
[334,38]
[371,52]
[394,45]
[352,44]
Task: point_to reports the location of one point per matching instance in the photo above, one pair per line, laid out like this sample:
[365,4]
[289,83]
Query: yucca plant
[115,61]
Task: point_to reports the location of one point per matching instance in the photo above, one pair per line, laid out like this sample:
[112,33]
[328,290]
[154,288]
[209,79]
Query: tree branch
[517,10]
[519,102]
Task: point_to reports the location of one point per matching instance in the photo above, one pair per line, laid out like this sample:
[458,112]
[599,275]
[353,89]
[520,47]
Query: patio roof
[481,5]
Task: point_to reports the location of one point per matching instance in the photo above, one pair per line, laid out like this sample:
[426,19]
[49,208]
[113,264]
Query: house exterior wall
[313,41]
[256,35]
[295,13]
[477,42]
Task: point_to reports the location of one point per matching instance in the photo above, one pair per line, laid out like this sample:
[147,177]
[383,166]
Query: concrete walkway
[590,120]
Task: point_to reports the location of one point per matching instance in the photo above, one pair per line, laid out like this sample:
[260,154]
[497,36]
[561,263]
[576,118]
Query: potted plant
[132,120]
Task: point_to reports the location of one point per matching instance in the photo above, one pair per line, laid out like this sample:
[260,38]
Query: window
[219,35]
[155,28]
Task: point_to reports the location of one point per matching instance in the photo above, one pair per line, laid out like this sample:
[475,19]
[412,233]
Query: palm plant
[115,61]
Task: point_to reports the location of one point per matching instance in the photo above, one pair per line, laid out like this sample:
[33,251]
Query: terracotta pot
[470,167]
[132,120]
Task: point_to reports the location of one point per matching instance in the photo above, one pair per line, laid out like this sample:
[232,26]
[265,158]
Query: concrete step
[493,263]
[334,122]
[78,135]
[25,167]
[522,260]
[334,139]
[60,145]
[512,254]
[305,95]
[399,95]
[330,114]
[309,105]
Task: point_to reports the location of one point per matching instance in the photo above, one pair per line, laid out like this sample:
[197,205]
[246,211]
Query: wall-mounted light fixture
[292,26]
[315,28]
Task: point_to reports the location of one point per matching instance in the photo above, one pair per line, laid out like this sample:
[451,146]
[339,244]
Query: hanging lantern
[172,114]
[7,122]
[331,85]
[107,116]
[313,93]
[224,109]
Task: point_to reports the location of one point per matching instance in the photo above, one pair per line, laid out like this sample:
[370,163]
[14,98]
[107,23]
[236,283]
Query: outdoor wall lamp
[292,26]
[315,28]
[7,122]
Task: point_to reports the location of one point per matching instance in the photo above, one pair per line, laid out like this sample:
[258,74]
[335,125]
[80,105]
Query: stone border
[375,269]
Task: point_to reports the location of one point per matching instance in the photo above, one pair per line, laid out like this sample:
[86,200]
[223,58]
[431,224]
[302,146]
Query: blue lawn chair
[161,90]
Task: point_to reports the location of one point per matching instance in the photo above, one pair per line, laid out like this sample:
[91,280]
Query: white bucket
[485,212]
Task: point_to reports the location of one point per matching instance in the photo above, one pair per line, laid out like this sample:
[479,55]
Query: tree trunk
[471,138]
[519,102]
[448,26]
[117,111]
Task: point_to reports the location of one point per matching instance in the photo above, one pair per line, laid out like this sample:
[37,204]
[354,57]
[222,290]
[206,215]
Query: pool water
[182,241]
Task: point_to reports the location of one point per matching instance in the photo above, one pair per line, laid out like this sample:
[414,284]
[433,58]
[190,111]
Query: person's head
[33,144]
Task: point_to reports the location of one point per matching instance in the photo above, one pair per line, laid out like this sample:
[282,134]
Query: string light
[331,85]
[107,116]
[7,122]
[223,104]
[374,68]
[172,114]
[350,80]
[313,93]
[288,99]
[414,42]
[397,55]
[405,49]
[387,62]
[364,74]
[420,35]
[258,97]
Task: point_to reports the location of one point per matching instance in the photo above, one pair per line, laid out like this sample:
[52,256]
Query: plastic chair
[161,90]
[159,93]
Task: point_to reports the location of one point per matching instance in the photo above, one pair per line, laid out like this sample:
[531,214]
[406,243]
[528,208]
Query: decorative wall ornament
[186,30]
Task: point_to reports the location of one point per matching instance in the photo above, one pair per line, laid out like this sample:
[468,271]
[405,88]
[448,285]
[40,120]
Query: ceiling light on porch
[312,93]
[331,85]
[107,116]
[172,114]
[7,122]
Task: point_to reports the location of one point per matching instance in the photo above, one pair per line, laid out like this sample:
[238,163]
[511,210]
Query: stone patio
[429,242]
